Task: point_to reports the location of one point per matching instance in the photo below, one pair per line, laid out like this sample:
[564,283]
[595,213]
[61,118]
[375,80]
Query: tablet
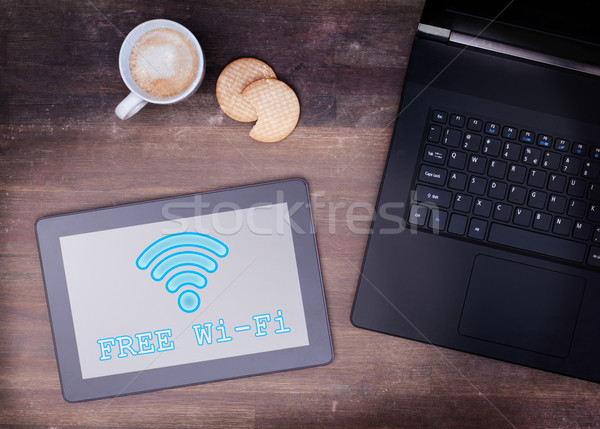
[184,290]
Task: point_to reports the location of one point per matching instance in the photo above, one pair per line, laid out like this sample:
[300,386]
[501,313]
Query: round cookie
[236,76]
[277,108]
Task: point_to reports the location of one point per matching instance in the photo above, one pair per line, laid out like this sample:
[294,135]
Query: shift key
[426,194]
[433,175]
[594,256]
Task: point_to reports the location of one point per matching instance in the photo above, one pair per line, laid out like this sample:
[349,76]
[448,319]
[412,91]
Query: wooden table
[62,149]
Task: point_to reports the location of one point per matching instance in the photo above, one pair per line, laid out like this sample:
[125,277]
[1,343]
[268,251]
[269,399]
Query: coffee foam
[163,62]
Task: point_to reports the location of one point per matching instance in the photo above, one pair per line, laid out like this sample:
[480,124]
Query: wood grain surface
[63,149]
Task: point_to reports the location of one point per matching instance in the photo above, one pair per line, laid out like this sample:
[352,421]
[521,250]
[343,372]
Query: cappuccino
[163,62]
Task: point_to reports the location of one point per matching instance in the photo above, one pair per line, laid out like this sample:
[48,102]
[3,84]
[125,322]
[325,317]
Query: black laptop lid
[565,29]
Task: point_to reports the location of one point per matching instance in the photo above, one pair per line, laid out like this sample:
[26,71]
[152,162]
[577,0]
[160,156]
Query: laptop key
[497,169]
[512,151]
[475,124]
[457,120]
[477,229]
[537,178]
[477,164]
[492,128]
[418,215]
[522,217]
[596,236]
[517,173]
[439,116]
[502,212]
[458,224]
[527,136]
[492,146]
[551,160]
[497,190]
[591,170]
[582,230]
[426,194]
[594,257]
[576,209]
[544,140]
[561,144]
[477,185]
[457,181]
[437,220]
[509,133]
[557,183]
[451,137]
[462,203]
[579,148]
[538,243]
[435,155]
[432,175]
[434,134]
[594,213]
[532,155]
[542,221]
[576,188]
[557,204]
[594,192]
[482,207]
[517,194]
[537,199]
[472,142]
[457,160]
[562,226]
[571,165]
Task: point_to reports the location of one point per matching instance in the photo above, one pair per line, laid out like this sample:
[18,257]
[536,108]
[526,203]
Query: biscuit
[233,79]
[277,108]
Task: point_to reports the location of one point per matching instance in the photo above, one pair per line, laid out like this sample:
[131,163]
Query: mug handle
[129,106]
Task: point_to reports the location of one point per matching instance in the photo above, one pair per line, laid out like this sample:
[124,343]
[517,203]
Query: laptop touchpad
[521,306]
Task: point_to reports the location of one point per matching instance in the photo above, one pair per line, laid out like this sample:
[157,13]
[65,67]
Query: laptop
[486,236]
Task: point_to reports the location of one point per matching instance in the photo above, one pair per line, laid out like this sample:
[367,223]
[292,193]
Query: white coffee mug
[138,98]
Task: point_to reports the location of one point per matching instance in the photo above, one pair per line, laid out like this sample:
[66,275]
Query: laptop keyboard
[521,188]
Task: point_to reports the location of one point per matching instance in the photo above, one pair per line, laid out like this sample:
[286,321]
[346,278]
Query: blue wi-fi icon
[183,263]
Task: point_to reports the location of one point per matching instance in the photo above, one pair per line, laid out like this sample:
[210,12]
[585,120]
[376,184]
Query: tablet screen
[186,290]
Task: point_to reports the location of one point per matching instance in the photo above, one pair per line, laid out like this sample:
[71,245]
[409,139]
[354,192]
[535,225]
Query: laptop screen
[561,18]
[555,27]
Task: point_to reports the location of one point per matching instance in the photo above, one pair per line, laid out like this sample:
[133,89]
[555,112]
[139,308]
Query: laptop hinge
[433,32]
[526,54]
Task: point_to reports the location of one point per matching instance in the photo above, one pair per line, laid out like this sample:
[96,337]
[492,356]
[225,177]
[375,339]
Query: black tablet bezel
[294,192]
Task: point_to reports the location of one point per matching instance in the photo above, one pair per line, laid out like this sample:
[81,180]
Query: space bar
[539,243]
